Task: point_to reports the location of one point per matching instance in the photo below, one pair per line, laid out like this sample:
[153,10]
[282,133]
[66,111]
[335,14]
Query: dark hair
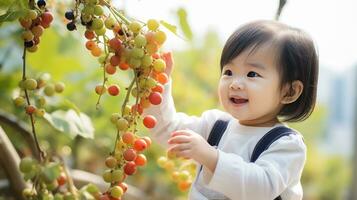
[297,59]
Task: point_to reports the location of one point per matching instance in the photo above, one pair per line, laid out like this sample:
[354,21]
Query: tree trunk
[10,160]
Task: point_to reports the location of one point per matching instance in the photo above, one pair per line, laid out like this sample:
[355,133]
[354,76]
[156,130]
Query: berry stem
[115,12]
[128,95]
[105,79]
[41,153]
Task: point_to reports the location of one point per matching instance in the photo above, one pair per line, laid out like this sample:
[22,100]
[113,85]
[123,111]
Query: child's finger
[180,132]
[178,139]
[179,147]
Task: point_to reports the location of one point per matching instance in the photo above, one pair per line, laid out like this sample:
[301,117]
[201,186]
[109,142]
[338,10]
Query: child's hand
[168,58]
[190,145]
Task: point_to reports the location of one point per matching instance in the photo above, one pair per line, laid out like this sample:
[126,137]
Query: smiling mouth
[238,101]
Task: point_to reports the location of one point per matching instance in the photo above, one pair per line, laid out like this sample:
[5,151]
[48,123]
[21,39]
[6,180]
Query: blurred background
[203,27]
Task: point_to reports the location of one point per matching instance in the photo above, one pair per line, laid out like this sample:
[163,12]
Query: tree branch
[20,127]
[10,161]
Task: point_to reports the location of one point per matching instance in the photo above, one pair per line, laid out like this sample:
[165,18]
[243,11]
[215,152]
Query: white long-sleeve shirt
[276,172]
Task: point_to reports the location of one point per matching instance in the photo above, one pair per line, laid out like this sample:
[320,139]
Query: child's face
[249,87]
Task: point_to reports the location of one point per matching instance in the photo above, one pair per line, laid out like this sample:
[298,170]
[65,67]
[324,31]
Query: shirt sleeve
[267,178]
[168,120]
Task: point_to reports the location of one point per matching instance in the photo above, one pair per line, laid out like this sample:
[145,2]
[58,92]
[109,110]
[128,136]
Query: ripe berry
[158,88]
[140,160]
[99,89]
[137,108]
[123,66]
[147,141]
[114,60]
[110,69]
[128,137]
[129,154]
[89,34]
[140,145]
[71,26]
[115,44]
[69,15]
[30,109]
[46,17]
[113,90]
[62,179]
[162,78]
[149,121]
[155,98]
[130,168]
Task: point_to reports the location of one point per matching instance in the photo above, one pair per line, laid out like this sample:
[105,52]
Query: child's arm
[168,120]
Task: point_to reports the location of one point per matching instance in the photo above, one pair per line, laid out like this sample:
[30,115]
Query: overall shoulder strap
[264,143]
[217,131]
[270,137]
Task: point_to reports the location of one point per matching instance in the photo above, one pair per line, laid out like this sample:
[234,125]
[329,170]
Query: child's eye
[227,72]
[252,74]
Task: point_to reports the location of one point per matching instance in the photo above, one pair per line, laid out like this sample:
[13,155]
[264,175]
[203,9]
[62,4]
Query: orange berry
[140,160]
[149,121]
[96,51]
[90,45]
[99,89]
[162,78]
[110,69]
[123,66]
[89,34]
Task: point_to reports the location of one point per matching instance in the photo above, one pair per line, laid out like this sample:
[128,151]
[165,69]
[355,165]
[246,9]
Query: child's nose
[237,84]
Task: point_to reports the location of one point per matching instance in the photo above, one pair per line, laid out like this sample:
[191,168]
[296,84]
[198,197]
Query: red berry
[155,98]
[147,140]
[46,17]
[30,109]
[149,121]
[62,179]
[128,138]
[124,66]
[113,90]
[129,154]
[140,145]
[115,44]
[158,88]
[89,35]
[115,60]
[110,69]
[138,108]
[140,160]
[130,168]
[156,56]
[104,197]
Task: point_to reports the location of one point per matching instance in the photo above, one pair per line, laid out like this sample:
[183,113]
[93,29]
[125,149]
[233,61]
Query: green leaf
[71,122]
[182,14]
[170,27]
[51,171]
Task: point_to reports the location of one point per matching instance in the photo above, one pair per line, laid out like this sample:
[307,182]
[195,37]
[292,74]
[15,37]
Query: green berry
[19,101]
[153,24]
[159,65]
[135,26]
[26,164]
[49,90]
[59,87]
[116,191]
[98,10]
[140,40]
[30,84]
[122,124]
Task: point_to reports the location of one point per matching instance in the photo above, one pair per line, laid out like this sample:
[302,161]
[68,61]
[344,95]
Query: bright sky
[331,23]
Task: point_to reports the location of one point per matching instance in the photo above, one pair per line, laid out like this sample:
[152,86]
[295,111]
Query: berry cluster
[124,45]
[36,19]
[181,171]
[41,88]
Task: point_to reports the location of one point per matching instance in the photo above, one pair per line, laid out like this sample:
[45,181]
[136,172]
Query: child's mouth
[238,101]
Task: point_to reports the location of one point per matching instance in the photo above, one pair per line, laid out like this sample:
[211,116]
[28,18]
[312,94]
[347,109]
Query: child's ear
[291,92]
